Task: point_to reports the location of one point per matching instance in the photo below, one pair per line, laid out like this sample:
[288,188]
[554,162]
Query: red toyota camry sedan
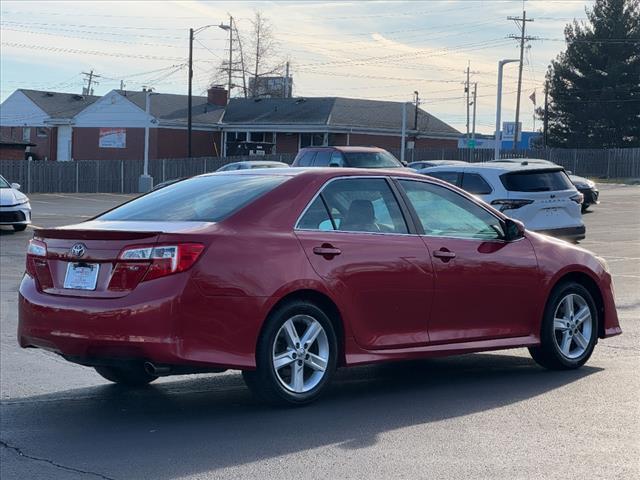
[287,274]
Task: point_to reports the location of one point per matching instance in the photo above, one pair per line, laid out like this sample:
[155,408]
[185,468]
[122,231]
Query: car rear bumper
[567,233]
[152,324]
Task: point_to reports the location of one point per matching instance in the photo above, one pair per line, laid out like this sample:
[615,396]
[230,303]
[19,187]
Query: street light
[192,33]
[501,64]
[145,181]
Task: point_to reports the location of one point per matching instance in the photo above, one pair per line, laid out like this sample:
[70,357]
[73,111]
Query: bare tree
[262,49]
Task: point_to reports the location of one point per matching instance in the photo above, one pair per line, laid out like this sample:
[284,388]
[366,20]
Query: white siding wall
[18,110]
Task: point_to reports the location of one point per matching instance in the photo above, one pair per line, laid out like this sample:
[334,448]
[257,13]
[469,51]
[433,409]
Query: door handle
[444,254]
[327,250]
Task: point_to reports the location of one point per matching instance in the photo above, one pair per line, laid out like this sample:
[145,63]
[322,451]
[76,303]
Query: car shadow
[205,423]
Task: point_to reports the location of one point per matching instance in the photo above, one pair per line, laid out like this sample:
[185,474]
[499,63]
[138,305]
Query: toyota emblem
[78,250]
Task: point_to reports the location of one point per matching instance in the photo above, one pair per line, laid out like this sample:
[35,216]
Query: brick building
[283,125]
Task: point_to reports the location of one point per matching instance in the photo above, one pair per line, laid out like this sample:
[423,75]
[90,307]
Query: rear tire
[569,329]
[296,355]
[132,376]
[19,228]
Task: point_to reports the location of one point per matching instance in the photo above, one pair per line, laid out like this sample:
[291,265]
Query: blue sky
[368,49]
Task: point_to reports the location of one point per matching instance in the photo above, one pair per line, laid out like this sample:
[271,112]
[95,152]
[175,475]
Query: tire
[132,376]
[567,341]
[297,381]
[585,207]
[19,227]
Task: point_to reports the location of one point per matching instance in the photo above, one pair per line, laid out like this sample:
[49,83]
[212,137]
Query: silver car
[15,209]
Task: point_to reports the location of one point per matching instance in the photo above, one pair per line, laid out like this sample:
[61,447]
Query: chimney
[217,95]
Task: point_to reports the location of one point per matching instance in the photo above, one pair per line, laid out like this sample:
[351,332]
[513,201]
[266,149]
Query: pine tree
[594,86]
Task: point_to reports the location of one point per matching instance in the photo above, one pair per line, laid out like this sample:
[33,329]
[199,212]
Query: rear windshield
[200,199]
[536,181]
[371,160]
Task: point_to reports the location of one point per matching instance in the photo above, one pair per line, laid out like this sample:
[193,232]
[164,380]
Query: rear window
[536,181]
[200,199]
[306,159]
[371,160]
[475,184]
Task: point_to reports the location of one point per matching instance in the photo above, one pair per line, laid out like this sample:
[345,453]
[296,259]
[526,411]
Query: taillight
[578,198]
[37,265]
[138,264]
[510,204]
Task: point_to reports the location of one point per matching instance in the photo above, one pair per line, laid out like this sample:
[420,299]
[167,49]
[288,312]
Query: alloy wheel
[300,353]
[572,326]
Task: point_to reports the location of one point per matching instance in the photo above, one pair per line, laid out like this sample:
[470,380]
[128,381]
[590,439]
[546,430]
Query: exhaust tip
[156,370]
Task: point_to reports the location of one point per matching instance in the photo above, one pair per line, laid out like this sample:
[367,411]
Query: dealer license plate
[81,276]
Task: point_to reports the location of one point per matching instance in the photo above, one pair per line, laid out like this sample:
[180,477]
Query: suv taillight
[139,264]
[578,198]
[510,204]
[37,266]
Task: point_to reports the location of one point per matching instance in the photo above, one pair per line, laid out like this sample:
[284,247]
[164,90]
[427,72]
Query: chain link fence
[121,176]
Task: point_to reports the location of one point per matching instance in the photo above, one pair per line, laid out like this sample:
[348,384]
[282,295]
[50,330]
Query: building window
[42,132]
[249,143]
[313,140]
[26,134]
[236,136]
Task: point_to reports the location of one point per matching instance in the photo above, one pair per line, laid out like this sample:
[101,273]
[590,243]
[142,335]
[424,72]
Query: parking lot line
[78,198]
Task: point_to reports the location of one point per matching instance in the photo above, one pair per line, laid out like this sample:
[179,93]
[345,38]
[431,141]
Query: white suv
[540,196]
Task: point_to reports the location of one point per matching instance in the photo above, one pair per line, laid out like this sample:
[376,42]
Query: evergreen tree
[594,86]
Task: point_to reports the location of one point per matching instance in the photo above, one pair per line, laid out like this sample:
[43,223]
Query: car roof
[347,148]
[494,167]
[256,162]
[325,172]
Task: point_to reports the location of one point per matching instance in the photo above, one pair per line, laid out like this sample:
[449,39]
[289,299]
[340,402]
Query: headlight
[581,185]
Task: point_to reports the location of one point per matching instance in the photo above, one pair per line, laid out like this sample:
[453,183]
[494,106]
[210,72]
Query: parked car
[15,209]
[586,187]
[287,274]
[251,164]
[540,196]
[434,163]
[355,157]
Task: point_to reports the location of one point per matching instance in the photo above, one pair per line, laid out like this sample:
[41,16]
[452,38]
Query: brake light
[578,198]
[37,266]
[139,264]
[510,204]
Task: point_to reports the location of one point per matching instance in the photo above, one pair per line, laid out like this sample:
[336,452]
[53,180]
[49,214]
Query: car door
[358,240]
[485,286]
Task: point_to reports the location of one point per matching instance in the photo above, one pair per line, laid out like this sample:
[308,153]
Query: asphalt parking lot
[494,415]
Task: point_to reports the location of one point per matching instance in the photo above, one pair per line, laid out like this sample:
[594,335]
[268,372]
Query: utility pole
[190,107]
[145,181]
[466,90]
[286,89]
[415,116]
[475,96]
[546,113]
[230,57]
[89,78]
[522,23]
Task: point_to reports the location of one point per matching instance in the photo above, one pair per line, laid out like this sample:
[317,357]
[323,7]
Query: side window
[316,217]
[322,158]
[364,205]
[444,213]
[337,160]
[307,159]
[450,177]
[474,183]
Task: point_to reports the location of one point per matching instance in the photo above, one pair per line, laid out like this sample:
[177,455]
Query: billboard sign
[112,138]
[509,131]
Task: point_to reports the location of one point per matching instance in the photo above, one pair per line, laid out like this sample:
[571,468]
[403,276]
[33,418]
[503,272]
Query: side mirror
[514,229]
[16,186]
[404,163]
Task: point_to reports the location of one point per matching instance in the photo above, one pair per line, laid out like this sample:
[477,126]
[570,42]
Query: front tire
[296,355]
[569,328]
[132,376]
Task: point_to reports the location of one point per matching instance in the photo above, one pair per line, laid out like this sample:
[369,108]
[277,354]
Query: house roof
[174,108]
[332,111]
[59,105]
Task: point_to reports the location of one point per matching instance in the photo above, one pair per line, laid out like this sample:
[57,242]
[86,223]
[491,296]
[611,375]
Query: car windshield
[4,183]
[536,181]
[371,160]
[210,198]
